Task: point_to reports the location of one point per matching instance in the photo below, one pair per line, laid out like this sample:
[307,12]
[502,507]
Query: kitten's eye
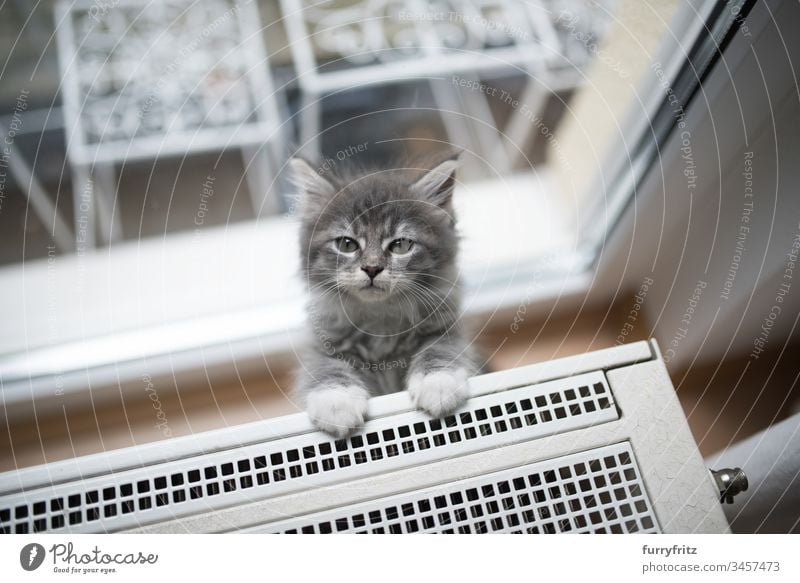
[401,246]
[346,245]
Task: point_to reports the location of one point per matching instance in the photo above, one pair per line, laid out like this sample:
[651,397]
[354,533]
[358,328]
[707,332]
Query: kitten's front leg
[437,379]
[333,395]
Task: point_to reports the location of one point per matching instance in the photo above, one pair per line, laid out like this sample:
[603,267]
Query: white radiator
[592,443]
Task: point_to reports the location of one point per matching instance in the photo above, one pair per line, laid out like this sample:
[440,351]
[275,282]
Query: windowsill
[191,301]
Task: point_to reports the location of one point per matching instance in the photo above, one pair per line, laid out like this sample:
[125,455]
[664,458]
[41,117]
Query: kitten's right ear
[315,190]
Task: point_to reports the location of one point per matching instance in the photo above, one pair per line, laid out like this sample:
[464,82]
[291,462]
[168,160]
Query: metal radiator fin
[598,491]
[201,483]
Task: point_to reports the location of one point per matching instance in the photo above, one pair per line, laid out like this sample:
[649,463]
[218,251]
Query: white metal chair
[339,46]
[144,79]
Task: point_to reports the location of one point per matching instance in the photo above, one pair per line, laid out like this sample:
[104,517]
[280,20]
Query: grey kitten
[379,257]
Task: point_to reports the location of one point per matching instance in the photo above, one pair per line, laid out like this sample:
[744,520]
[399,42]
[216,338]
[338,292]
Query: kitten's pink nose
[372,270]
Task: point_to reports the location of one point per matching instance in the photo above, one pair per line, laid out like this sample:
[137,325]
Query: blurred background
[151,95]
[613,151]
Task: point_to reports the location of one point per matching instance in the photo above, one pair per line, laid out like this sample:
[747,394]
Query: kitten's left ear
[438,183]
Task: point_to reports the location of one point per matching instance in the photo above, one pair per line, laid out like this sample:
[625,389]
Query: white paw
[439,392]
[337,409]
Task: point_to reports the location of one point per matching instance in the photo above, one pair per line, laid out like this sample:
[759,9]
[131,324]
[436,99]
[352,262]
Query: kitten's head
[384,235]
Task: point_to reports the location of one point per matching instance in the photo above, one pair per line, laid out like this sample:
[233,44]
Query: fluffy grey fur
[378,254]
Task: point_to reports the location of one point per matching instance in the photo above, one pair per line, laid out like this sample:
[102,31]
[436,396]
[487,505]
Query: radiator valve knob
[730,482]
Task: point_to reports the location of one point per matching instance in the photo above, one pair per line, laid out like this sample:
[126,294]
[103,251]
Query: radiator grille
[598,491]
[134,497]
